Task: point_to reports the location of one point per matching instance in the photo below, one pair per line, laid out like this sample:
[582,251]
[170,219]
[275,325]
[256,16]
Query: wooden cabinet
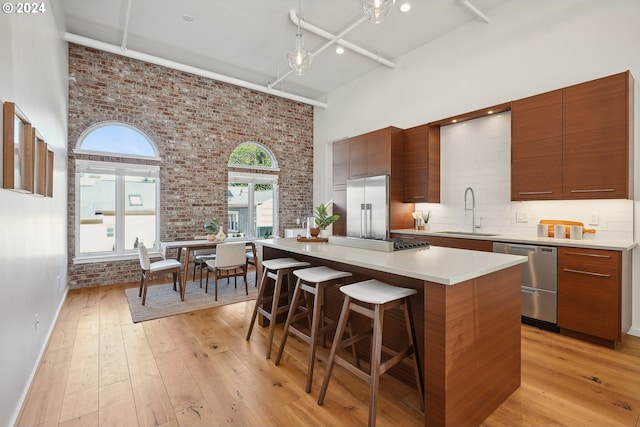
[596,138]
[371,154]
[574,143]
[375,153]
[536,147]
[448,242]
[422,164]
[340,162]
[591,284]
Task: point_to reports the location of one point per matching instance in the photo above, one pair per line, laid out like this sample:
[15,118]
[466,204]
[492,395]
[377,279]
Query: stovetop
[399,245]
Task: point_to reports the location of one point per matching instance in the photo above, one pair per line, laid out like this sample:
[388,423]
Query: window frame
[120,165]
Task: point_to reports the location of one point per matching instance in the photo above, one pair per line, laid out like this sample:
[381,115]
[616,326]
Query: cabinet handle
[594,190]
[417,197]
[524,193]
[583,254]
[568,270]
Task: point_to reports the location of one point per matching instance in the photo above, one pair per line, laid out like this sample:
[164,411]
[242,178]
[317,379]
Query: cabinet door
[379,152]
[340,162]
[421,167]
[340,208]
[416,164]
[536,147]
[596,156]
[589,292]
[358,156]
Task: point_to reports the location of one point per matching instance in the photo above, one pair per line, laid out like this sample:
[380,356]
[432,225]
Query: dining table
[191,245]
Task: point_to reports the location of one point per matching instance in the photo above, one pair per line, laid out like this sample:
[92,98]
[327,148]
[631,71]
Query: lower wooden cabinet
[591,284]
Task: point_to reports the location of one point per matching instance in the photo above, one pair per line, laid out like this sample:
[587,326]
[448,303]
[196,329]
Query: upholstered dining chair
[155,268]
[200,257]
[230,262]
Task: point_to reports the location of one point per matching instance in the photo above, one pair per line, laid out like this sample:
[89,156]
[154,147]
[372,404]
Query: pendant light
[299,58]
[377,10]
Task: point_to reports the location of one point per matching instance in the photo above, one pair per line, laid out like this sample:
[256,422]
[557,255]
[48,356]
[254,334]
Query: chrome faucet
[472,208]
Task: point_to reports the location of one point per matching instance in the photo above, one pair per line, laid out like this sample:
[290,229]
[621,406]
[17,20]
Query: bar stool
[275,269]
[382,297]
[314,281]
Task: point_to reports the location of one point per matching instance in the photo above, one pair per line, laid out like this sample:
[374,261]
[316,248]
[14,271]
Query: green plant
[212,226]
[426,217]
[323,220]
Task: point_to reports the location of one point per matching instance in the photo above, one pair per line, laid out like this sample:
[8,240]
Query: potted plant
[323,219]
[425,218]
[212,226]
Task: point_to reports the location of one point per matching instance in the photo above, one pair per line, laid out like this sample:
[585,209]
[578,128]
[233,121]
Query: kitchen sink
[466,233]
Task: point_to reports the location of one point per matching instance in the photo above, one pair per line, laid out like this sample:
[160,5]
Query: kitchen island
[467,310]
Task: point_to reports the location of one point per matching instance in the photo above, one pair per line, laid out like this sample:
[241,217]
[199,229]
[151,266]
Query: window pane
[118,139]
[139,214]
[97,212]
[238,210]
[263,208]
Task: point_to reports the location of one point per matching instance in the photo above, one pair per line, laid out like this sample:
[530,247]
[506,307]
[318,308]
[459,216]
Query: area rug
[162,301]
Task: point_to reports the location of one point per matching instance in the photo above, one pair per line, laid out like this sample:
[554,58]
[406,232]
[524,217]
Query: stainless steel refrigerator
[368,207]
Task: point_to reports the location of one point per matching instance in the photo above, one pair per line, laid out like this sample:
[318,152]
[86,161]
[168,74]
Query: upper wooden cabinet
[536,147]
[596,118]
[422,164]
[372,153]
[574,143]
[340,162]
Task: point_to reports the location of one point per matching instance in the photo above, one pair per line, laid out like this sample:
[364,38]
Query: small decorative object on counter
[212,226]
[543,230]
[323,219]
[220,236]
[425,218]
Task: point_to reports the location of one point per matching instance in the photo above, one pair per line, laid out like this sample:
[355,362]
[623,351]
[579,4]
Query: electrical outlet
[594,218]
[37,321]
[522,217]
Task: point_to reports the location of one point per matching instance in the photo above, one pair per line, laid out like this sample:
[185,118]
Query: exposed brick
[196,123]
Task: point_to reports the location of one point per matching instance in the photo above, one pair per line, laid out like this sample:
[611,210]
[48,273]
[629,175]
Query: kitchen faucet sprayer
[472,208]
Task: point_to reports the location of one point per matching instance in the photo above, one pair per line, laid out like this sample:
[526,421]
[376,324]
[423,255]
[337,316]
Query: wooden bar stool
[314,281]
[275,269]
[382,297]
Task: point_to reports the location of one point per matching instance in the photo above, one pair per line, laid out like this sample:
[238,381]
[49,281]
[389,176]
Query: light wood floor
[196,369]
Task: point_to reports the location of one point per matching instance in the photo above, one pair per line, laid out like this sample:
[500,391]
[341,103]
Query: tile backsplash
[477,154]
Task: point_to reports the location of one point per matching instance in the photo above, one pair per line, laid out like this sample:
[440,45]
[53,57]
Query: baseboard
[634,331]
[25,392]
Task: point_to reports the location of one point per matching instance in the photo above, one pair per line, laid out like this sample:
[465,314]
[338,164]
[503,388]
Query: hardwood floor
[195,369]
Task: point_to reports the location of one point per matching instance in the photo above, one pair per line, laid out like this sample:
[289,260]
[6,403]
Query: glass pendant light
[377,10]
[299,58]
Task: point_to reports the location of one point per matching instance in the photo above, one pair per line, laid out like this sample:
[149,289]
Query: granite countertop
[531,240]
[446,266]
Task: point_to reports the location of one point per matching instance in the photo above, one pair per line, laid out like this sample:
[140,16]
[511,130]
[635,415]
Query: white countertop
[446,266]
[548,241]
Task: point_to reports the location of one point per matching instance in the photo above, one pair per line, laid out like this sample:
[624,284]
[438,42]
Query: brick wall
[196,123]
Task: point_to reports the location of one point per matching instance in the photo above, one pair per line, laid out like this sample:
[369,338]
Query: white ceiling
[249,39]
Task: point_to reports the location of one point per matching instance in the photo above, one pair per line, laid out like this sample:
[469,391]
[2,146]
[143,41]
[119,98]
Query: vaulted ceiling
[249,39]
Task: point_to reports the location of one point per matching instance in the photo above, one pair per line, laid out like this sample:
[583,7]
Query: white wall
[33,230]
[529,47]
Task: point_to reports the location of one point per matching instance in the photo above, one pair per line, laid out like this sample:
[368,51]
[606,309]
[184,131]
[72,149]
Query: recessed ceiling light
[405,6]
[490,112]
[339,50]
[187,17]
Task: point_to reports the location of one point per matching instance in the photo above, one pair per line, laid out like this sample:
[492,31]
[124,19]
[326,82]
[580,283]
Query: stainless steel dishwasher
[539,283]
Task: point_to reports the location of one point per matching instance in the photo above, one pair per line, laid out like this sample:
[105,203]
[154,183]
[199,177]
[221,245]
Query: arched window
[117,199]
[252,196]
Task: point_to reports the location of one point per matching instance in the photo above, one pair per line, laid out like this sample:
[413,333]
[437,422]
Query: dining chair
[230,262]
[200,257]
[158,267]
[251,260]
